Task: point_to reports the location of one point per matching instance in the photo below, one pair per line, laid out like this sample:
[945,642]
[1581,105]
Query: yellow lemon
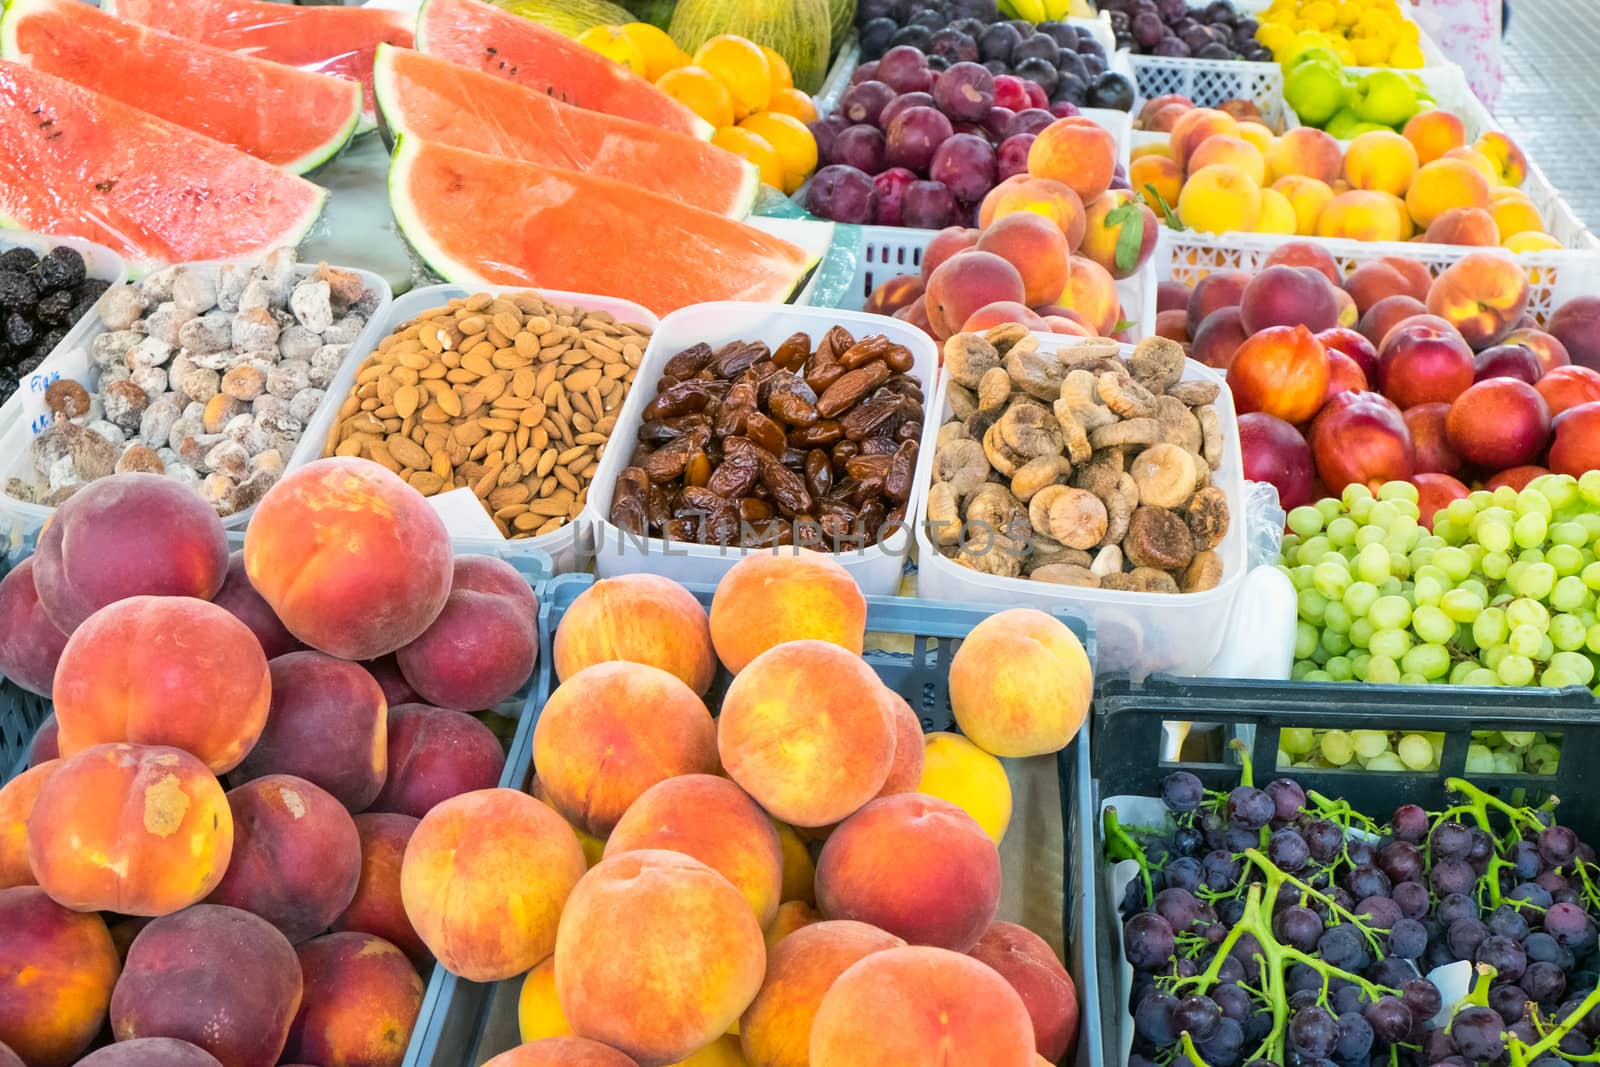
[740,66]
[778,74]
[615,45]
[1275,36]
[659,52]
[753,147]
[1320,14]
[956,770]
[1406,30]
[699,91]
[1347,14]
[1370,51]
[793,102]
[788,136]
[1407,56]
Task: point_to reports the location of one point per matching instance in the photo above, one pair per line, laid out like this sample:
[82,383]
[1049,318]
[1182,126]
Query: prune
[17,291]
[46,342]
[18,330]
[56,308]
[18,259]
[61,268]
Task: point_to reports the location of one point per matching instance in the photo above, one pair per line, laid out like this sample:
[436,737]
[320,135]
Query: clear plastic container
[565,547]
[1139,633]
[876,569]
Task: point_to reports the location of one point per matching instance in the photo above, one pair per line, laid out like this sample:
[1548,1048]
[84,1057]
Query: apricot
[361,1002]
[1055,200]
[657,955]
[1482,295]
[482,647]
[1020,684]
[1030,966]
[716,822]
[433,755]
[296,855]
[57,969]
[134,829]
[613,730]
[775,1030]
[799,873]
[1510,165]
[562,1052]
[132,535]
[1193,128]
[1080,154]
[1036,247]
[960,286]
[1305,152]
[484,881]
[792,915]
[1442,185]
[328,725]
[239,598]
[163,671]
[352,559]
[17,798]
[958,771]
[376,907]
[768,598]
[965,1013]
[1158,179]
[1361,215]
[1307,198]
[30,644]
[1110,216]
[1220,199]
[1433,133]
[1515,214]
[217,977]
[641,618]
[149,1052]
[1464,226]
[808,730]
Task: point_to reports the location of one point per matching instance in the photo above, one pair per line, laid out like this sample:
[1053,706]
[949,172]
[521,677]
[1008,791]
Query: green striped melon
[844,16]
[798,30]
[569,17]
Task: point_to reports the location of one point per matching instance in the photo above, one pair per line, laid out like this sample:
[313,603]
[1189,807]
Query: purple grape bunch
[1216,30]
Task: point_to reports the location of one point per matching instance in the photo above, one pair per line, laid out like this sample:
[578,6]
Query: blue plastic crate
[451,1030]
[21,712]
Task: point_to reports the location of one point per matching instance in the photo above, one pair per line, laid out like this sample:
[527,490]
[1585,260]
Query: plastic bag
[1264,519]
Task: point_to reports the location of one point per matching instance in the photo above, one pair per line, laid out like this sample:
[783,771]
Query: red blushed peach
[768,598]
[396,690]
[1157,179]
[1510,165]
[1371,282]
[133,535]
[1036,247]
[57,968]
[327,725]
[894,294]
[377,908]
[906,770]
[217,977]
[966,282]
[1078,153]
[1576,448]
[1344,375]
[1386,314]
[831,699]
[1092,293]
[148,1052]
[296,855]
[946,243]
[1305,151]
[1566,387]
[1029,965]
[1482,295]
[1305,254]
[612,731]
[435,754]
[1283,371]
[1434,494]
[1173,325]
[1431,439]
[1515,477]
[1109,216]
[1192,129]
[1433,133]
[484,881]
[1219,289]
[361,1002]
[775,1031]
[1464,226]
[562,1052]
[131,829]
[657,955]
[352,559]
[164,671]
[17,798]
[9,1058]
[641,618]
[1020,684]
[1172,296]
[1219,337]
[1155,104]
[1551,352]
[483,646]
[1001,312]
[239,598]
[1576,325]
[45,743]
[30,644]
[716,822]
[914,865]
[965,1013]
[1354,345]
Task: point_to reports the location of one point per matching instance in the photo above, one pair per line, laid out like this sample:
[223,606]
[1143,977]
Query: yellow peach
[1220,199]
[1307,197]
[1381,161]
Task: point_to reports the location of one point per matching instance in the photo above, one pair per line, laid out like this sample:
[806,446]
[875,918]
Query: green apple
[1322,56]
[1315,92]
[1385,97]
[1342,126]
[1369,127]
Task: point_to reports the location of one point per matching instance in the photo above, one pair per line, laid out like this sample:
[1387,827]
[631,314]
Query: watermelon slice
[487,39]
[427,97]
[291,118]
[329,40]
[78,164]
[481,220]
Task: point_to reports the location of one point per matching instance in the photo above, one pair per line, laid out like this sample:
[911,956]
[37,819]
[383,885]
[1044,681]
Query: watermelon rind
[15,11]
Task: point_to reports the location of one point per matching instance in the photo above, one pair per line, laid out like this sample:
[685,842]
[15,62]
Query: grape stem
[1121,846]
[1271,869]
[1247,771]
[1521,1055]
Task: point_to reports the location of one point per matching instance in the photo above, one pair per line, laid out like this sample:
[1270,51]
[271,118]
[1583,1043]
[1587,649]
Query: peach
[1499,423]
[45,744]
[149,1052]
[1576,448]
[1430,438]
[612,731]
[946,243]
[1173,325]
[1036,247]
[1243,110]
[1110,216]
[1029,965]
[1283,371]
[1515,477]
[894,294]
[361,1001]
[1055,200]
[1576,325]
[538,1008]
[217,977]
[1527,243]
[1220,199]
[131,829]
[716,822]
[1282,295]
[1305,254]
[1510,165]
[1482,295]
[723,1052]
[1257,133]
[17,798]
[1562,388]
[792,915]
[1001,312]
[1423,360]
[1386,314]
[808,730]
[9,1058]
[1277,214]
[965,1013]
[768,598]
[239,598]
[351,558]
[327,725]
[396,690]
[296,855]
[1220,337]
[376,907]
[1155,104]
[799,873]
[562,1052]
[906,770]
[433,755]
[133,535]
[1158,179]
[1173,296]
[1371,282]
[641,618]
[482,647]
[1551,352]
[966,282]
[1433,133]
[1020,684]
[1515,214]
[1218,289]
[1464,226]
[1361,215]
[1442,185]
[484,880]
[30,644]
[1233,151]
[914,865]
[775,1031]
[1092,293]
[1382,161]
[1307,197]
[1195,127]
[1079,154]
[1479,162]
[657,955]
[958,771]
[57,969]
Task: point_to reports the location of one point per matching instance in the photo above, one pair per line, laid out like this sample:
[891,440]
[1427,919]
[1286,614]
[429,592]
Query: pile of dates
[750,446]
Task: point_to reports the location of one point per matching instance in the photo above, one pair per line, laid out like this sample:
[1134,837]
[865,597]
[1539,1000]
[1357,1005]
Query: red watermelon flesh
[78,164]
[481,220]
[291,118]
[477,35]
[327,39]
[424,96]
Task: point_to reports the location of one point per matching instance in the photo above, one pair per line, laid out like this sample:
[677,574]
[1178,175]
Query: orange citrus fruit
[788,136]
[742,68]
[660,52]
[778,74]
[699,91]
[793,102]
[754,148]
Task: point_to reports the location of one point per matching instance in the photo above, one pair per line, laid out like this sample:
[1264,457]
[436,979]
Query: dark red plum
[966,164]
[842,194]
[914,135]
[901,103]
[865,101]
[861,147]
[1012,159]
[905,70]
[965,92]
[928,206]
[892,185]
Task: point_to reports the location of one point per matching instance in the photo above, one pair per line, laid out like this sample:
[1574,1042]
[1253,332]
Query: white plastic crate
[838,76]
[1208,82]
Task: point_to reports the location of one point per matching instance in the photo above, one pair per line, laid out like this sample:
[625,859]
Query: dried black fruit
[48,341]
[61,268]
[18,330]
[17,291]
[56,309]
[28,366]
[18,259]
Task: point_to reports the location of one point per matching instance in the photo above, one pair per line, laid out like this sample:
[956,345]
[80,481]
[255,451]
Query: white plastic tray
[566,547]
[876,569]
[1139,633]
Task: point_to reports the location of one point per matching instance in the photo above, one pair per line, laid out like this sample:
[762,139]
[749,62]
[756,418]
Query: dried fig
[950,431]
[1039,374]
[1043,551]
[994,390]
[1165,475]
[1004,336]
[1157,363]
[1137,432]
[1195,392]
[1091,352]
[1178,424]
[963,464]
[1100,474]
[1211,435]
[1081,392]
[1204,572]
[967,356]
[1207,516]
[963,405]
[1001,458]
[1037,473]
[1119,513]
[1065,574]
[1030,430]
[1158,538]
[1077,519]
[1126,397]
[1074,434]
[944,516]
